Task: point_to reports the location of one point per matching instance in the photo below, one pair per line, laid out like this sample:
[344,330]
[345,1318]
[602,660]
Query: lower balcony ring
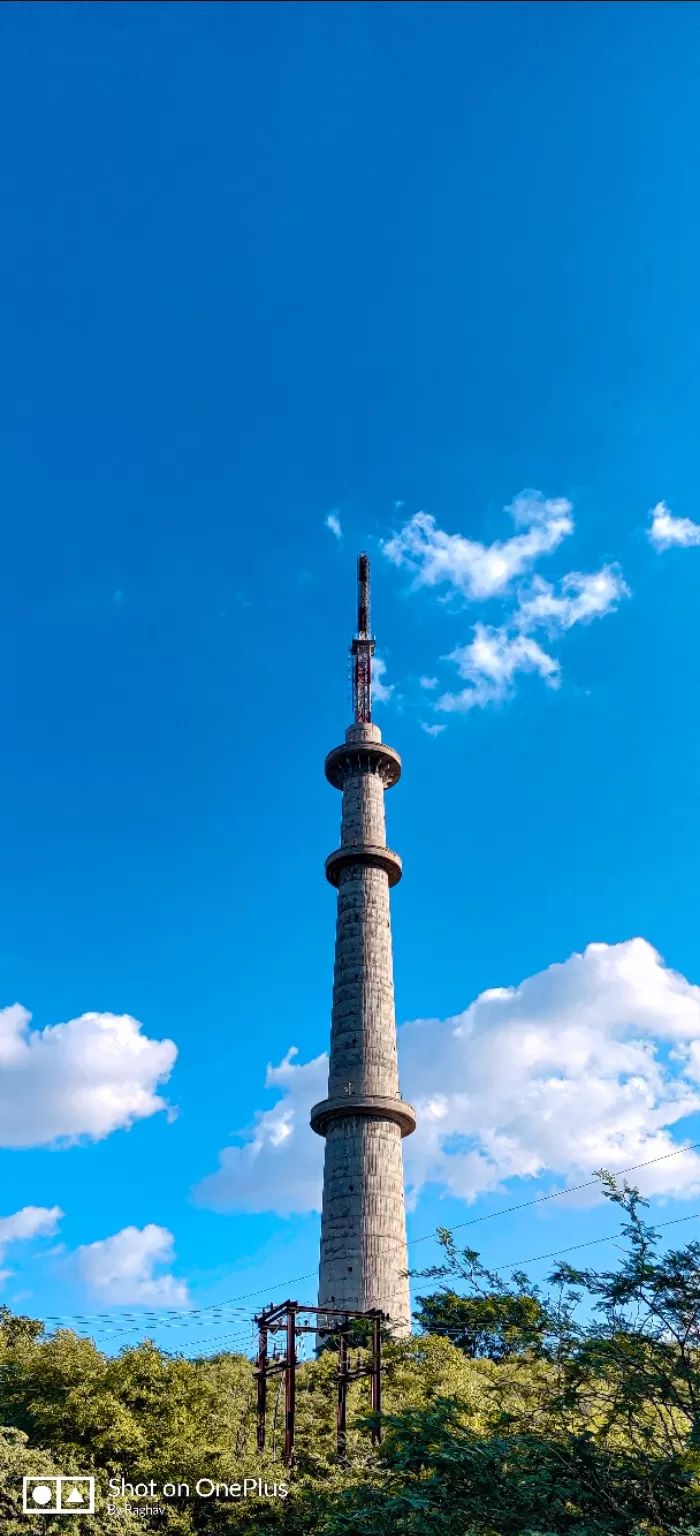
[370,855]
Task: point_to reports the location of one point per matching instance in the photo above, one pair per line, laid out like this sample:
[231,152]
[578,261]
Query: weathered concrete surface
[363,1229]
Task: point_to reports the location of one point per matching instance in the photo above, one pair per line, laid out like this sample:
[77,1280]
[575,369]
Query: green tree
[637,1361]
[494,1320]
[588,1423]
[567,1412]
[438,1477]
[17,1461]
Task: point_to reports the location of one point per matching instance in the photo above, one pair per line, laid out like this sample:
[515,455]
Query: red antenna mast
[362,649]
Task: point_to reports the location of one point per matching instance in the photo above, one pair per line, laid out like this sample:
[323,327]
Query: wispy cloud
[333,522]
[478,570]
[432,730]
[489,664]
[491,660]
[667,530]
[381,691]
[581,598]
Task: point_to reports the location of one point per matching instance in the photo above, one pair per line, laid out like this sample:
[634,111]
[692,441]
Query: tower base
[363,1233]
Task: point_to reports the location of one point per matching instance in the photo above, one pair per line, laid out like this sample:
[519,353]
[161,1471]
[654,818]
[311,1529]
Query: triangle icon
[74,1497]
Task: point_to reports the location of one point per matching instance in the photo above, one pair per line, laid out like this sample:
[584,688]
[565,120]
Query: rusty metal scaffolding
[334,1322]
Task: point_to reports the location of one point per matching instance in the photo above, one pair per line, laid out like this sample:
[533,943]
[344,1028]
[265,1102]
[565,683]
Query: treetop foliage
[567,1410]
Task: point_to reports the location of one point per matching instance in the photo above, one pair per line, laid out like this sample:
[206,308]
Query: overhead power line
[591,1243]
[171,1317]
[556,1194]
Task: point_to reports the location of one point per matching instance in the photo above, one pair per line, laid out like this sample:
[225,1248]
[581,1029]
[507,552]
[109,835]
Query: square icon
[58,1495]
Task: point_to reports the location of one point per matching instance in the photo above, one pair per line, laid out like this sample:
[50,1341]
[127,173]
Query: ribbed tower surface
[363,1228]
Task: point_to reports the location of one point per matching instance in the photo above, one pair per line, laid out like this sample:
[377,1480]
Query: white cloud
[583,597]
[88,1077]
[333,522]
[479,570]
[121,1268]
[589,1063]
[253,1175]
[667,530]
[32,1221]
[432,730]
[490,662]
[381,691]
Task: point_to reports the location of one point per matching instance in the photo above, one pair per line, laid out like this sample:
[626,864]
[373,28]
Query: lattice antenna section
[362,649]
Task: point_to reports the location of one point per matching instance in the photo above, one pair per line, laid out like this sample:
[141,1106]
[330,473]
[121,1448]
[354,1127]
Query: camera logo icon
[58,1495]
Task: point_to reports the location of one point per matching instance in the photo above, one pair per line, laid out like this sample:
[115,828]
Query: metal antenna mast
[362,649]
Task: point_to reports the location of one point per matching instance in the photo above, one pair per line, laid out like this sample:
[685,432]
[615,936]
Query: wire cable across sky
[200,1316]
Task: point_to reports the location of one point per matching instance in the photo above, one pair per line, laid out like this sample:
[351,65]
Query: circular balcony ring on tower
[363,853]
[363,757]
[375,1106]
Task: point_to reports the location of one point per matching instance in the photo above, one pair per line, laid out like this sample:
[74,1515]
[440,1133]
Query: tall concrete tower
[363,1228]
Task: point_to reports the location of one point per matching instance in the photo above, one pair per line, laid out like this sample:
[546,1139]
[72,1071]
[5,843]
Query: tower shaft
[363,1228]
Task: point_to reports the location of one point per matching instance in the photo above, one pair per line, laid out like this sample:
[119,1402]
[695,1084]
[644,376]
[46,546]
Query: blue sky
[263,264]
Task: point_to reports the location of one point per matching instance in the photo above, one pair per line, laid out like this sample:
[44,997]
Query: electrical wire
[171,1317]
[591,1243]
[556,1194]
